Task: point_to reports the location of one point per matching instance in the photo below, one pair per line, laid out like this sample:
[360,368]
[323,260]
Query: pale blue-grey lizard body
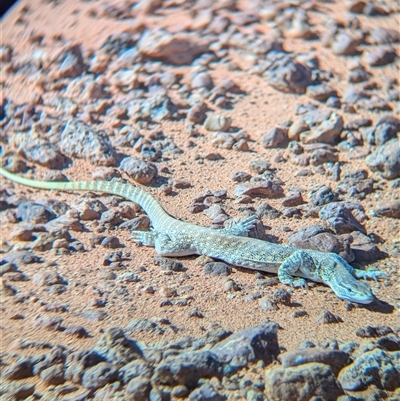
[172,237]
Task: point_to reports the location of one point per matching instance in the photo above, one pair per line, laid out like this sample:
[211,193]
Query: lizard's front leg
[371,273]
[298,261]
[242,228]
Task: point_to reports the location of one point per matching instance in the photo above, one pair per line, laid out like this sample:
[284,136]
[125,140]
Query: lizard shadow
[379,306]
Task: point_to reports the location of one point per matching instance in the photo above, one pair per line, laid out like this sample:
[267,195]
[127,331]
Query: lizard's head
[353,290]
[344,284]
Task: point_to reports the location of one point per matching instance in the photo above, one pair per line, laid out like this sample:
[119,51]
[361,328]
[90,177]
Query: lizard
[172,237]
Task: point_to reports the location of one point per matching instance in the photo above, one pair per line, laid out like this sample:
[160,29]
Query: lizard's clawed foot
[299,282]
[295,282]
[370,274]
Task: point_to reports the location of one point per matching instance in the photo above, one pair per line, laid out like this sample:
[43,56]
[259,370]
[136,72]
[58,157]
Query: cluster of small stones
[114,103]
[248,364]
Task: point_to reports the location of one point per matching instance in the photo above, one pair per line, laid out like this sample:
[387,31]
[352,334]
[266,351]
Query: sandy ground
[261,109]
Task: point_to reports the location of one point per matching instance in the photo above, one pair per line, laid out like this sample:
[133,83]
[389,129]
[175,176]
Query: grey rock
[195,312]
[327,317]
[206,393]
[375,367]
[99,375]
[289,76]
[14,163]
[260,166]
[283,296]
[143,325]
[18,370]
[217,122]
[217,269]
[390,342]
[78,362]
[334,102]
[135,368]
[53,375]
[334,358]
[241,176]
[202,80]
[180,391]
[65,222]
[385,132]
[321,239]
[345,44]
[51,240]
[268,304]
[187,368]
[320,92]
[51,323]
[360,174]
[216,334]
[70,62]
[293,199]
[249,345]
[381,35]
[111,242]
[77,331]
[340,218]
[380,56]
[388,209]
[93,315]
[364,248]
[354,125]
[158,107]
[353,95]
[177,49]
[34,213]
[48,277]
[322,195]
[17,391]
[263,189]
[276,138]
[304,382]
[141,171]
[197,113]
[139,389]
[127,138]
[44,153]
[79,140]
[356,188]
[328,131]
[8,268]
[22,258]
[373,331]
[115,347]
[386,159]
[159,394]
[169,264]
[141,223]
[5,54]
[267,211]
[321,156]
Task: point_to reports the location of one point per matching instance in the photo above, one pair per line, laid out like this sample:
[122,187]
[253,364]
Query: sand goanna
[172,237]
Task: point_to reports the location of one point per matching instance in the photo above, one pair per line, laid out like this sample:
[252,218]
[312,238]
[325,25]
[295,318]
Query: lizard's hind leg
[171,246]
[146,238]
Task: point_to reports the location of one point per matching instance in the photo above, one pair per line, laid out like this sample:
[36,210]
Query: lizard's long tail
[156,213]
